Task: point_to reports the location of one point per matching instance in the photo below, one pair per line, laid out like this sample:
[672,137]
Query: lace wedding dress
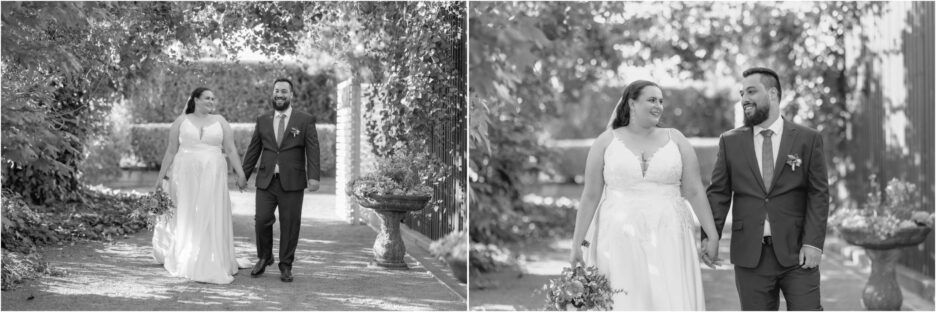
[198,242]
[642,237]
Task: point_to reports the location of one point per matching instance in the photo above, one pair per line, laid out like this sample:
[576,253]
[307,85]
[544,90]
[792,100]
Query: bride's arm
[230,149]
[692,188]
[171,148]
[594,185]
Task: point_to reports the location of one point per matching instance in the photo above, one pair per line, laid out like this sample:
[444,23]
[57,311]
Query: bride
[198,242]
[633,220]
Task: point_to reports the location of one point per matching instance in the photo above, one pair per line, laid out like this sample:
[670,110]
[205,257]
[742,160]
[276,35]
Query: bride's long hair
[190,105]
[621,116]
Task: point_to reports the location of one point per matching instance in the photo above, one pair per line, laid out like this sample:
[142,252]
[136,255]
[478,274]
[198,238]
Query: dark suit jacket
[798,201]
[297,156]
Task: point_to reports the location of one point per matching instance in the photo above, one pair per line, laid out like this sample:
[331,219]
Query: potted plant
[885,224]
[453,248]
[398,184]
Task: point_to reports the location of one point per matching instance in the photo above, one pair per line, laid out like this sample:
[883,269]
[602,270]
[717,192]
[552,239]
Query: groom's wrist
[813,247]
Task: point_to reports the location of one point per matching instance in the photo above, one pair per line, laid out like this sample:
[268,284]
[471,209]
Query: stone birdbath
[389,249]
[882,292]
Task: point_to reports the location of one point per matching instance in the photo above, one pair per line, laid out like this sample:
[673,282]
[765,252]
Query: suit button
[766,200]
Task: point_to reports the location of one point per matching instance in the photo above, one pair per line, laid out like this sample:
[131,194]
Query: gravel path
[330,273]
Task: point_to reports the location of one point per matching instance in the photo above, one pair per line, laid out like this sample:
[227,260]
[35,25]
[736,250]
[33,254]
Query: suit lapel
[267,131]
[287,133]
[747,144]
[786,144]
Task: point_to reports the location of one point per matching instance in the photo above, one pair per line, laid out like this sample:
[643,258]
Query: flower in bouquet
[583,288]
[152,205]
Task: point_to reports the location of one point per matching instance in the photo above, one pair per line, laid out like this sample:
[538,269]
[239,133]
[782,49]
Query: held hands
[313,185]
[241,182]
[709,253]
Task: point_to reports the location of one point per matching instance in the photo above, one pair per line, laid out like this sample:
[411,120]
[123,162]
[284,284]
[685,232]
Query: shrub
[105,215]
[400,174]
[243,90]
[149,143]
[18,266]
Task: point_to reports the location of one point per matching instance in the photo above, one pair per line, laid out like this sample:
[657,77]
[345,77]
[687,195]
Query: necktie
[280,128]
[767,167]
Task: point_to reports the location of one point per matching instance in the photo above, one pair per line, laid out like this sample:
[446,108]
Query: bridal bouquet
[154,205]
[583,288]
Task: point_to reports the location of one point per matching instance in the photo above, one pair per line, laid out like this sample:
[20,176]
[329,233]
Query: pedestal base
[387,266]
[882,293]
[389,249]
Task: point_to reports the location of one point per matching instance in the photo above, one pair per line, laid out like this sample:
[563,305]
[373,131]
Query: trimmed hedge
[572,155]
[242,90]
[696,112]
[148,142]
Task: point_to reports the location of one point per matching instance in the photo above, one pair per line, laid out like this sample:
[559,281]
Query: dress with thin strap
[643,232]
[200,244]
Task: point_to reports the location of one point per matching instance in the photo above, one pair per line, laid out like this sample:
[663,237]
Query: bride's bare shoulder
[178,121]
[603,139]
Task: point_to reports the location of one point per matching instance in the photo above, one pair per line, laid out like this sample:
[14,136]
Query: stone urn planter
[882,292]
[389,249]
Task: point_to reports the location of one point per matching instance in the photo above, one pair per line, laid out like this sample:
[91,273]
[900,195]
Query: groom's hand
[704,255]
[313,185]
[809,257]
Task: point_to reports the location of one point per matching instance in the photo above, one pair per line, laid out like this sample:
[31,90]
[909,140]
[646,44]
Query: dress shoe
[260,267]
[286,275]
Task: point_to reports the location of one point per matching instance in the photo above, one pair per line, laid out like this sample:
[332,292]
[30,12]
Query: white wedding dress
[642,237]
[198,242]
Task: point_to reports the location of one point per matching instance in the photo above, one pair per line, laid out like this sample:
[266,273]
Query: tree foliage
[531,62]
[65,63]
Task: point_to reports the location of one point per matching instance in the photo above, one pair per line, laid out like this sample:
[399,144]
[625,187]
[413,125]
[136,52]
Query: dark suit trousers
[290,212]
[759,288]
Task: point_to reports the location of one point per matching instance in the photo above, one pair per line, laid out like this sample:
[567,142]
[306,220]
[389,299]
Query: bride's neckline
[201,130]
[643,158]
[617,137]
[202,127]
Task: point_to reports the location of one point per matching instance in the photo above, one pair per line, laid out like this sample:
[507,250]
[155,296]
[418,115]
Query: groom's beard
[758,116]
[280,106]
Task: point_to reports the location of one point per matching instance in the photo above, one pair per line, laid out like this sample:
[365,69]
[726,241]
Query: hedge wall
[697,113]
[242,90]
[148,143]
[571,157]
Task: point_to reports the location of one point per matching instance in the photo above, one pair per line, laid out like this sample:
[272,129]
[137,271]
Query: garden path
[331,273]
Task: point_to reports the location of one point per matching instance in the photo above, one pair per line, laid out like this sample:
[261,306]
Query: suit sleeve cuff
[814,247]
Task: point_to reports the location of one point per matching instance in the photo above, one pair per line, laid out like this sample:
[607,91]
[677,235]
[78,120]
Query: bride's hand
[711,252]
[576,257]
[241,182]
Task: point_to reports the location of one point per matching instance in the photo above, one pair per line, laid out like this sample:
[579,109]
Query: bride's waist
[200,149]
[645,191]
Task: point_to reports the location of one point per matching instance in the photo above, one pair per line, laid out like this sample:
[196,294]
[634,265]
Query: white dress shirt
[276,116]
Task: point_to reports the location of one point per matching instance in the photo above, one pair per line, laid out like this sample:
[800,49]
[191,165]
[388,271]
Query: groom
[773,173]
[286,143]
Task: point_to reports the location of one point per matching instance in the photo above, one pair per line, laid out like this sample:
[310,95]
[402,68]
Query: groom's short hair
[286,80]
[768,77]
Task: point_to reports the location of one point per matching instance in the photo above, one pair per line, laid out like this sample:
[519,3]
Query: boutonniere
[794,161]
[294,131]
